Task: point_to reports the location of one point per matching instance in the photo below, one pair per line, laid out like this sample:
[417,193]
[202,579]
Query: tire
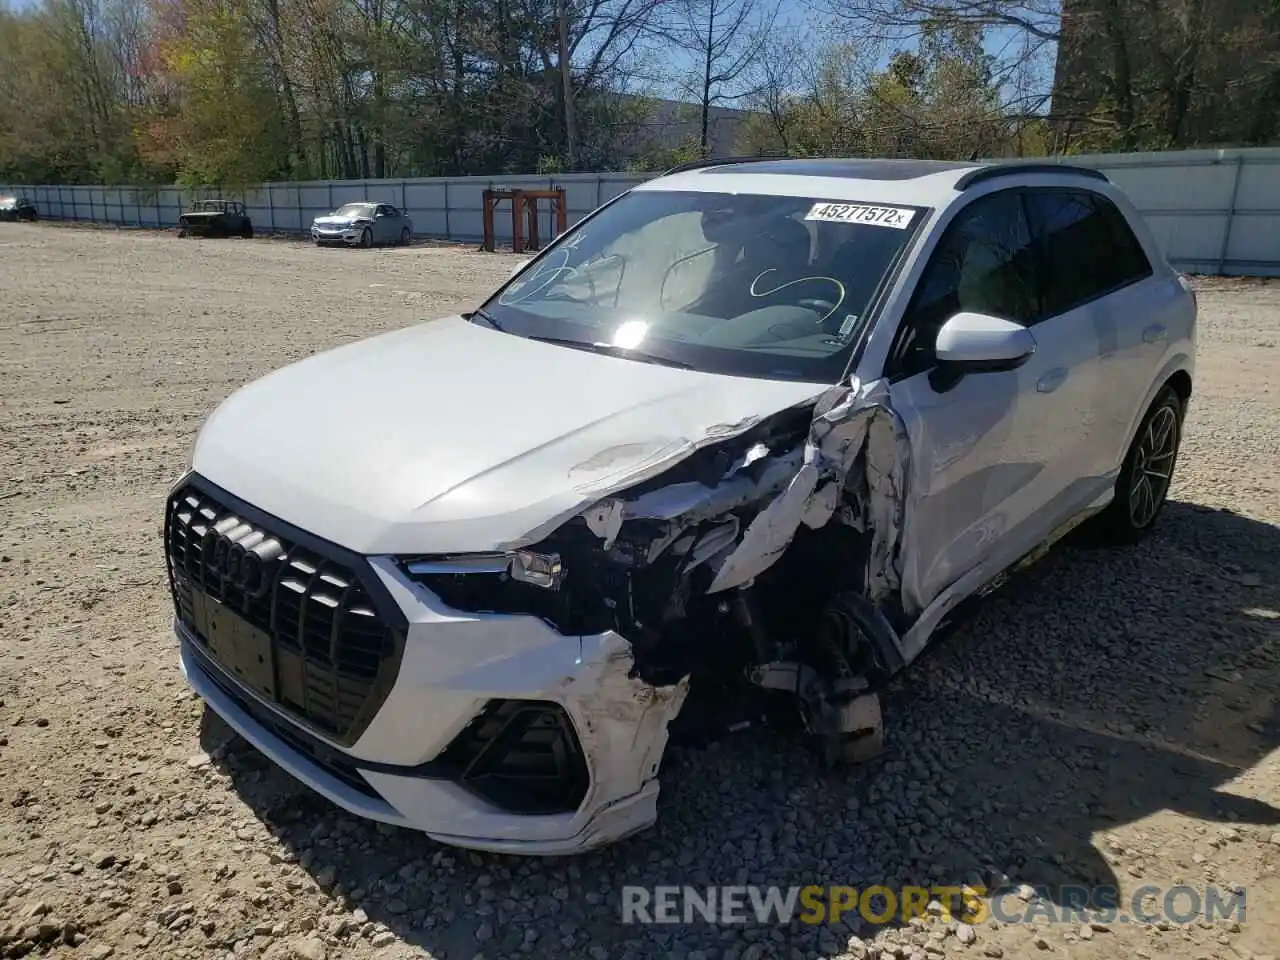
[1145,475]
[247,231]
[405,238]
[366,238]
[182,233]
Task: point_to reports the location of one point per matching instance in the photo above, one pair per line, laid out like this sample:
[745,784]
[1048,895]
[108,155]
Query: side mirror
[518,267]
[978,343]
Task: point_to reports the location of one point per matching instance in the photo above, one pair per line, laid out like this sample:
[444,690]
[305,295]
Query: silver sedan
[363,224]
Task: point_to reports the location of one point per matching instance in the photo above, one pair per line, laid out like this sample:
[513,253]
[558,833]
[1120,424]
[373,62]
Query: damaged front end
[761,563]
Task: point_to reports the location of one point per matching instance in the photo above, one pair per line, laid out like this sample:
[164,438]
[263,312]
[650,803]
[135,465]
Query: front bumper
[454,664]
[347,235]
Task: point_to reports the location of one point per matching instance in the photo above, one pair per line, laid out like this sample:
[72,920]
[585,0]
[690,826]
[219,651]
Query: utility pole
[706,78]
[566,82]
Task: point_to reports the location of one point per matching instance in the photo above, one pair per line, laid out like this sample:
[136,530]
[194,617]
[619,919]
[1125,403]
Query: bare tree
[595,39]
[1022,64]
[896,20]
[777,75]
[728,40]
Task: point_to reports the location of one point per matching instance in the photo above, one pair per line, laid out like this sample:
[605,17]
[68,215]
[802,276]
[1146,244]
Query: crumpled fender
[857,427]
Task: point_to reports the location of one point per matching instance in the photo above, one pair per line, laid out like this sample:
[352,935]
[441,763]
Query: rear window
[1088,246]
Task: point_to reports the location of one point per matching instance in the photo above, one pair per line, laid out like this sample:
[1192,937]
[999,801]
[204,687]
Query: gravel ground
[1108,718]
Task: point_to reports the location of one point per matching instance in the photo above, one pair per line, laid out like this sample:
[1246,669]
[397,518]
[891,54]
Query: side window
[984,263]
[1130,260]
[1088,247]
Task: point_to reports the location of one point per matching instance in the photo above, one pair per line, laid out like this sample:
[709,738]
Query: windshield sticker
[516,292]
[897,217]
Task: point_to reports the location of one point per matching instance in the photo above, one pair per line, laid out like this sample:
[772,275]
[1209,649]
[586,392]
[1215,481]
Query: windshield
[747,285]
[208,206]
[355,210]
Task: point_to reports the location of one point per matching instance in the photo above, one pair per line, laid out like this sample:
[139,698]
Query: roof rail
[717,162]
[992,171]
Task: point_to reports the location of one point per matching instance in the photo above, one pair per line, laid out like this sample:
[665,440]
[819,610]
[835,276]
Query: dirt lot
[1109,719]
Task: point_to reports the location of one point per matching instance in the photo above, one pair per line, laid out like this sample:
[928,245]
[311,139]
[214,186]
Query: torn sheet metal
[770,533]
[604,519]
[887,453]
[691,502]
[853,427]
[859,426]
[625,466]
[622,721]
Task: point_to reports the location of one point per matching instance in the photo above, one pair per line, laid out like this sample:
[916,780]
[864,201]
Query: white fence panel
[1212,211]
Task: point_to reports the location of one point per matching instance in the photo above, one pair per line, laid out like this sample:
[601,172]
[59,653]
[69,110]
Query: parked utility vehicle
[216,218]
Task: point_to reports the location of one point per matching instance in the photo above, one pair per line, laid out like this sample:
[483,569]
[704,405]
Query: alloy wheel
[1153,467]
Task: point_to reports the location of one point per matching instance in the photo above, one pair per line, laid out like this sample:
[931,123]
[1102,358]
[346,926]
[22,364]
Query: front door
[987,452]
[381,224]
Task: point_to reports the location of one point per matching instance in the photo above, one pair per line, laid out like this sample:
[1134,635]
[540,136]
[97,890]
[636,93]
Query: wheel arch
[1176,374]
[1180,380]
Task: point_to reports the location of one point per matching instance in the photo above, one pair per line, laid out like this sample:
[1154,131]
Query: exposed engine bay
[760,564]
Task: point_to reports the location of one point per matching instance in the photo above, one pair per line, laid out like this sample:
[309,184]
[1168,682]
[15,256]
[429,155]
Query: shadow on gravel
[1099,688]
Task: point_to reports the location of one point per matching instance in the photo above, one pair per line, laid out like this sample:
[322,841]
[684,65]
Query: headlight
[539,569]
[561,580]
[526,566]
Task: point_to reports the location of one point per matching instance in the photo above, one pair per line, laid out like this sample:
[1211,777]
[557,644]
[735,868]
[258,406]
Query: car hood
[203,214]
[334,221]
[449,437]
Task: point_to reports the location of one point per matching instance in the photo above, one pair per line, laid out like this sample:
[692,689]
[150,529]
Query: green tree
[222,125]
[939,101]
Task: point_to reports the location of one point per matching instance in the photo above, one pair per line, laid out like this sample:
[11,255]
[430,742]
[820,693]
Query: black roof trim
[850,168]
[717,162]
[992,171]
[896,169]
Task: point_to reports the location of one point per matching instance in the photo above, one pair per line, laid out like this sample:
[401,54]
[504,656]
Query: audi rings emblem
[241,555]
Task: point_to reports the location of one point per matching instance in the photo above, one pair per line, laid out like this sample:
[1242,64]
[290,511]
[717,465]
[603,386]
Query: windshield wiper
[487,319]
[609,350]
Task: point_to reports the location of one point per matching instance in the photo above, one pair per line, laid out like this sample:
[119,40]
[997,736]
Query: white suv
[751,426]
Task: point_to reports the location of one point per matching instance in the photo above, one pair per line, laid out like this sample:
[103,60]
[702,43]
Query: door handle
[1154,332]
[1052,380]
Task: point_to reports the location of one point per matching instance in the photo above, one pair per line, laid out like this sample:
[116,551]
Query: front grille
[312,635]
[330,761]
